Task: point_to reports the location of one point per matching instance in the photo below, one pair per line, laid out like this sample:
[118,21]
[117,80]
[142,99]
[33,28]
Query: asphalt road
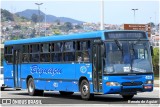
[51,97]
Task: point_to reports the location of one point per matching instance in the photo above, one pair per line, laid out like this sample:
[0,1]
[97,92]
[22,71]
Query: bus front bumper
[128,89]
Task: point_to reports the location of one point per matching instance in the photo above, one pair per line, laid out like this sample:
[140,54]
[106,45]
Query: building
[155,40]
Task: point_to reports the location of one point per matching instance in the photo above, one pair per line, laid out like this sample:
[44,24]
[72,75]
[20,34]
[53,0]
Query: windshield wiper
[138,40]
[119,45]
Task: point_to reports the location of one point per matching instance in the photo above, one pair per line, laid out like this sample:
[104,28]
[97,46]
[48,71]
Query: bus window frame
[24,53]
[62,52]
[69,51]
[43,53]
[34,53]
[83,50]
[8,54]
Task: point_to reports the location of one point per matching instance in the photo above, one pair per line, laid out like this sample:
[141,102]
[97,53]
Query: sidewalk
[156,83]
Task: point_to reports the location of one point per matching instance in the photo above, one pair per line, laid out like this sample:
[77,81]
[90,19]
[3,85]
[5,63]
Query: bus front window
[131,57]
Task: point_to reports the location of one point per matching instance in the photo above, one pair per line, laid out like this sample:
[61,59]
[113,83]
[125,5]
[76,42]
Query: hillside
[7,16]
[49,18]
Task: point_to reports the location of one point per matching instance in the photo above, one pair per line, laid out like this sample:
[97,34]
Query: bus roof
[56,38]
[96,34]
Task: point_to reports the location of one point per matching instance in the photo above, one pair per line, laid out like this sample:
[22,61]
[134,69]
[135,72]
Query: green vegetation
[156,77]
[56,31]
[6,15]
[17,27]
[35,18]
[155,60]
[66,27]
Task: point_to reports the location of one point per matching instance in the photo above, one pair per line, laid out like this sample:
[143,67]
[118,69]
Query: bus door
[16,66]
[97,68]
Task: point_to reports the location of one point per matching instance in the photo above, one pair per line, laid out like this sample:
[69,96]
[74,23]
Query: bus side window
[9,54]
[57,49]
[69,51]
[83,51]
[34,55]
[45,52]
[25,54]
[25,58]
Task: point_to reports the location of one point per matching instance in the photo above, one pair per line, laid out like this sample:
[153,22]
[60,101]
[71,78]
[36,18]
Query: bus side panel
[47,76]
[48,71]
[9,82]
[23,84]
[40,84]
[62,85]
[85,70]
[8,75]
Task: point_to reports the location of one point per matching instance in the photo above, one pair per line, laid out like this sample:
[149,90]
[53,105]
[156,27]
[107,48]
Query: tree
[155,60]
[34,18]
[24,19]
[67,26]
[32,35]
[6,15]
[7,29]
[16,27]
[13,37]
[78,26]
[152,24]
[21,36]
[56,31]
[57,22]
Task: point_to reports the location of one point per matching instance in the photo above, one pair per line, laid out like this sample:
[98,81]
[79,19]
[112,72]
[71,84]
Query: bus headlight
[149,82]
[112,84]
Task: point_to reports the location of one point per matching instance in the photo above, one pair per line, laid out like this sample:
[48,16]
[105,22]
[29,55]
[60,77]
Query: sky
[115,12]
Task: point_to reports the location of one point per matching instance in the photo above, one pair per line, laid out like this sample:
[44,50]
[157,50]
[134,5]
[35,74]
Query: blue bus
[101,62]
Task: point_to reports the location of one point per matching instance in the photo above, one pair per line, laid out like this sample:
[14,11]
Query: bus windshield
[127,57]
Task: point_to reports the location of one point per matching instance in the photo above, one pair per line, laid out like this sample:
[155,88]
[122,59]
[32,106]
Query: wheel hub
[31,87]
[85,89]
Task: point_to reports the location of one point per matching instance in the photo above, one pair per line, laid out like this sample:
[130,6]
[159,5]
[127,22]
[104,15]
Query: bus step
[98,93]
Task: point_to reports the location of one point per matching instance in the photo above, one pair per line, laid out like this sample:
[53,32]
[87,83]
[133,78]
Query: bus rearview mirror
[152,53]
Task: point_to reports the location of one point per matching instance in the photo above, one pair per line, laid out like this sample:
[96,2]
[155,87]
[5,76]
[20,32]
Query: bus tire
[18,89]
[127,97]
[39,92]
[2,88]
[65,93]
[85,90]
[31,88]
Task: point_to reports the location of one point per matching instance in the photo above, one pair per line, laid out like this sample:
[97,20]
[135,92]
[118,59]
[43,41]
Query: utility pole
[150,26]
[45,21]
[134,14]
[102,15]
[38,4]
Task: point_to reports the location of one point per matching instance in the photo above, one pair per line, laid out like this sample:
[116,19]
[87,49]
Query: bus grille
[132,83]
[131,90]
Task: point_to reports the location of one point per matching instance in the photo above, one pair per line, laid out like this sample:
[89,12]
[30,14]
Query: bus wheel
[18,89]
[65,93]
[127,97]
[31,88]
[85,90]
[2,88]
